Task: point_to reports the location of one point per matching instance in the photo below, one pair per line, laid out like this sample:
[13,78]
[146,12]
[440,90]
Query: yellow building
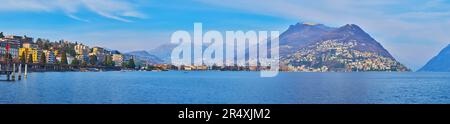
[25,52]
[97,50]
[35,54]
[56,52]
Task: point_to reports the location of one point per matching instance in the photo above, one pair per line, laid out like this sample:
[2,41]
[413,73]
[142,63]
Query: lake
[211,87]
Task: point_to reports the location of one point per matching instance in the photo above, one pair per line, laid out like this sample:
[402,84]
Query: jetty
[13,71]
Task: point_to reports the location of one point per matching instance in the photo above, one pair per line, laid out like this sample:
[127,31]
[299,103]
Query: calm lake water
[226,87]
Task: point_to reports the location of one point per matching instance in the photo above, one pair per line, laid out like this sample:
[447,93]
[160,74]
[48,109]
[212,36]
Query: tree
[83,63]
[93,60]
[63,58]
[23,58]
[75,62]
[8,57]
[107,61]
[30,59]
[151,67]
[131,63]
[43,59]
[110,62]
[124,64]
[1,35]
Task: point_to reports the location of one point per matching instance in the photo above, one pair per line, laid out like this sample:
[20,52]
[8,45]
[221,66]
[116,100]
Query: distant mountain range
[163,52]
[144,57]
[439,63]
[316,47]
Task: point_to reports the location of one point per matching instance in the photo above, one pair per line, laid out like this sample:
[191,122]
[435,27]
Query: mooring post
[25,73]
[20,72]
[13,72]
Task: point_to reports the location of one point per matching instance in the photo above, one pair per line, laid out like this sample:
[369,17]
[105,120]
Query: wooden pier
[11,71]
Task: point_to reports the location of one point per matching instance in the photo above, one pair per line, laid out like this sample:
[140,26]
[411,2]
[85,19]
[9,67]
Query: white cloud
[77,18]
[113,9]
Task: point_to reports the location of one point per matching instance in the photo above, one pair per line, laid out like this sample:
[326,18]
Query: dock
[13,72]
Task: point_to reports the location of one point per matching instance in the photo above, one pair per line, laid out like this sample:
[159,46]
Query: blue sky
[412,30]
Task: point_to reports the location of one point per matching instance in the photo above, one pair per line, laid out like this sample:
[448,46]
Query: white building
[118,59]
[50,56]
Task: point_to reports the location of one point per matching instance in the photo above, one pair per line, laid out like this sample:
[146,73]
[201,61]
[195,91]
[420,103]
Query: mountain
[316,47]
[302,35]
[439,63]
[144,57]
[163,52]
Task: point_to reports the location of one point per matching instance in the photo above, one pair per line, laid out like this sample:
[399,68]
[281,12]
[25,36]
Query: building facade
[12,45]
[117,59]
[50,56]
[82,52]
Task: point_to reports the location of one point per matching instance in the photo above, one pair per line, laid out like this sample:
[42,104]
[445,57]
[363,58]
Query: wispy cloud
[120,10]
[77,18]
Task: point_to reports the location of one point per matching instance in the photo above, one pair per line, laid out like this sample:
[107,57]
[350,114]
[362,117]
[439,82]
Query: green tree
[93,60]
[107,61]
[75,62]
[8,57]
[83,63]
[23,58]
[124,64]
[43,59]
[131,63]
[110,62]
[64,58]
[30,59]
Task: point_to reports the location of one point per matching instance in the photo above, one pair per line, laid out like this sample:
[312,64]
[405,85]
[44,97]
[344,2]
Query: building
[29,45]
[26,52]
[100,53]
[13,49]
[81,49]
[82,52]
[21,39]
[70,59]
[50,56]
[117,59]
[36,55]
[98,50]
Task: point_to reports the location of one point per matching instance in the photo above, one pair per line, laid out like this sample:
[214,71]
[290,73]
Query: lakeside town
[43,55]
[331,55]
[60,55]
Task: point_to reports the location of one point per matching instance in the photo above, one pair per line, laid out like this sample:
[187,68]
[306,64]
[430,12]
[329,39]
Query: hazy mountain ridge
[439,63]
[163,52]
[145,57]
